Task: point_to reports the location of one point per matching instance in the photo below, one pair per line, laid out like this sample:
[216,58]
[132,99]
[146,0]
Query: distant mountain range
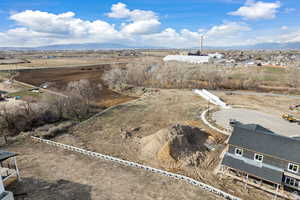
[271,46]
[106,46]
[86,46]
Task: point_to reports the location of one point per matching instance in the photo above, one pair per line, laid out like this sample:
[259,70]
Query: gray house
[264,155]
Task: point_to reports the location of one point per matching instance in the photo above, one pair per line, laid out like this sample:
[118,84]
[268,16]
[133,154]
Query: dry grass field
[65,62]
[154,112]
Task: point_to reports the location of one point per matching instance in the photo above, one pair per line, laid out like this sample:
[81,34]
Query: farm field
[64,62]
[58,80]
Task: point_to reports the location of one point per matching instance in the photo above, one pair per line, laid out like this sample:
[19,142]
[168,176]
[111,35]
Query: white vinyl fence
[136,165]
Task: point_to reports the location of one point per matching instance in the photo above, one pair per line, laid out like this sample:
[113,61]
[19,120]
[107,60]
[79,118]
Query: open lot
[157,110]
[49,173]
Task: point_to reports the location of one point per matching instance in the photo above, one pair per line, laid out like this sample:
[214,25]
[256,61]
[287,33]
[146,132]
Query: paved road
[259,94]
[273,123]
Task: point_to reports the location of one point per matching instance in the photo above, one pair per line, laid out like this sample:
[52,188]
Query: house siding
[283,164]
[231,149]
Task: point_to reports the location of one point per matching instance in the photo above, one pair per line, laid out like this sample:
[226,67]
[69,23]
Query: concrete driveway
[247,116]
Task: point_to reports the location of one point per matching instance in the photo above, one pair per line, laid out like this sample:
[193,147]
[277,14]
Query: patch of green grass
[274,70]
[24,93]
[237,76]
[4,75]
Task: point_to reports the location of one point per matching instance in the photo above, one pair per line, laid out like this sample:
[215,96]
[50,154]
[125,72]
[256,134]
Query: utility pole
[201,43]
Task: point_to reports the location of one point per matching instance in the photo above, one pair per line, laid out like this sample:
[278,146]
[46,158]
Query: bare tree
[81,95]
[115,78]
[85,90]
[57,105]
[11,123]
[76,108]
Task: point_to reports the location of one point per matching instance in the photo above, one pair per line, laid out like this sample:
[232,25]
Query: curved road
[259,93]
[247,116]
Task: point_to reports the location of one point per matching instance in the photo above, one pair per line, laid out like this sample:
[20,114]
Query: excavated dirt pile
[176,147]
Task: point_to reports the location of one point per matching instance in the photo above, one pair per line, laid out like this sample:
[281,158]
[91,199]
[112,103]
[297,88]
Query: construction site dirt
[49,173]
[131,129]
[121,132]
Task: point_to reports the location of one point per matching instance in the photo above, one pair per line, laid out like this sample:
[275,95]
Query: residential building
[258,153]
[9,172]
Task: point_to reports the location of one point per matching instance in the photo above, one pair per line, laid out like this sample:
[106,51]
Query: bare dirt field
[59,78]
[64,62]
[49,173]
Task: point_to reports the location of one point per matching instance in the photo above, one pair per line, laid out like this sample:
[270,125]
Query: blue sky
[175,23]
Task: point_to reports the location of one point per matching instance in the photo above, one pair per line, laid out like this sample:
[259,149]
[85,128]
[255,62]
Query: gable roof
[256,128]
[271,175]
[263,141]
[5,155]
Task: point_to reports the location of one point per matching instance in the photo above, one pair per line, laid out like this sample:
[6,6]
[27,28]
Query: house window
[293,168]
[287,180]
[291,182]
[258,157]
[238,152]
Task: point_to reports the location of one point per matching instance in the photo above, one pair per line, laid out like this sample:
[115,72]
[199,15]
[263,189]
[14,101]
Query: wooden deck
[8,175]
[277,193]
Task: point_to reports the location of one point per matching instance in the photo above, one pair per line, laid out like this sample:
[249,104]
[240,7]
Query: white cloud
[284,28]
[64,24]
[257,10]
[228,28]
[292,36]
[120,11]
[141,27]
[171,38]
[138,28]
[47,28]
[141,21]
[228,33]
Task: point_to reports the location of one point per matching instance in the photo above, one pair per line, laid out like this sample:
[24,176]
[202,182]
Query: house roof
[263,141]
[273,176]
[5,155]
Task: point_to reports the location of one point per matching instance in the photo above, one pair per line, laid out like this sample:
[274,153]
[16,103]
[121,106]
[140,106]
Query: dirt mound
[176,146]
